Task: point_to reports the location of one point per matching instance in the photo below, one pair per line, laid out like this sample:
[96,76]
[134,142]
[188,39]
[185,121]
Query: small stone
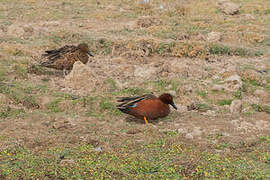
[214,36]
[164,74]
[3,99]
[181,108]
[3,28]
[44,101]
[67,161]
[51,23]
[62,123]
[236,106]
[228,7]
[147,21]
[233,83]
[28,29]
[169,87]
[181,130]
[189,136]
[217,87]
[133,131]
[98,149]
[261,93]
[173,93]
[210,113]
[186,89]
[250,16]
[65,105]
[196,132]
[261,124]
[145,72]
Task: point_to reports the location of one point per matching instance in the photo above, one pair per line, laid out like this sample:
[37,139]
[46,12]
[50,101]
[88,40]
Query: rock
[228,7]
[217,87]
[134,131]
[3,99]
[67,161]
[164,74]
[65,105]
[15,30]
[28,30]
[186,89]
[236,106]
[118,60]
[189,136]
[98,149]
[180,68]
[173,93]
[196,132]
[233,83]
[147,21]
[81,78]
[214,36]
[43,101]
[209,113]
[2,33]
[145,71]
[3,28]
[182,130]
[249,16]
[261,93]
[169,87]
[62,123]
[51,23]
[181,108]
[261,124]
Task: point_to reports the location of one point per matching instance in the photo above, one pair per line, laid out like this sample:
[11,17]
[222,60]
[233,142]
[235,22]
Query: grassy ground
[51,131]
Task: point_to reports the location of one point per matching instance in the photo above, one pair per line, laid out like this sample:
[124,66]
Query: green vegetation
[261,108]
[238,94]
[53,106]
[159,160]
[224,102]
[203,94]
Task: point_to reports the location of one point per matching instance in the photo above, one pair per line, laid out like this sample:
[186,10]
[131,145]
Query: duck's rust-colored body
[147,106]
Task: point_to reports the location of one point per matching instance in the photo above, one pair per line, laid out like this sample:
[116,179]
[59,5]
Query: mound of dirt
[148,21]
[81,78]
[228,7]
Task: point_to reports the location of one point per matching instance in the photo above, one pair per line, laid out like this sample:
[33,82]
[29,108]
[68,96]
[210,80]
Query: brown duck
[147,106]
[65,57]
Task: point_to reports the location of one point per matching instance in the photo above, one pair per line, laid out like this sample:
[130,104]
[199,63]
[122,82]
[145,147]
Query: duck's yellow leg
[145,120]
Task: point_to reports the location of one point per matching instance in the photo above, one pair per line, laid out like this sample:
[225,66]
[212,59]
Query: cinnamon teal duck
[147,106]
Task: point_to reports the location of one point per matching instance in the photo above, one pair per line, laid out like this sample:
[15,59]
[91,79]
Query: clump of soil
[147,21]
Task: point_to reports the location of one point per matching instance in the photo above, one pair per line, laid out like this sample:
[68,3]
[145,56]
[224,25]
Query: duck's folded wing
[51,56]
[56,53]
[131,101]
[63,49]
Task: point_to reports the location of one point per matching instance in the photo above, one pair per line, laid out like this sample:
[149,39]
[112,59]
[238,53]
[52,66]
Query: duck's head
[84,48]
[167,99]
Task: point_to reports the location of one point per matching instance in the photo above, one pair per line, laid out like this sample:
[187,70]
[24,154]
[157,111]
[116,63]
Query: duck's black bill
[173,105]
[90,54]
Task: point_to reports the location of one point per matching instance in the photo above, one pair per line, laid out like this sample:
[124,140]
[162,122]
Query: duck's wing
[127,102]
[52,55]
[62,50]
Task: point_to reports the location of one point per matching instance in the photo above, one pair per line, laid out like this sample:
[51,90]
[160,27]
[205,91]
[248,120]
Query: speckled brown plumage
[65,57]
